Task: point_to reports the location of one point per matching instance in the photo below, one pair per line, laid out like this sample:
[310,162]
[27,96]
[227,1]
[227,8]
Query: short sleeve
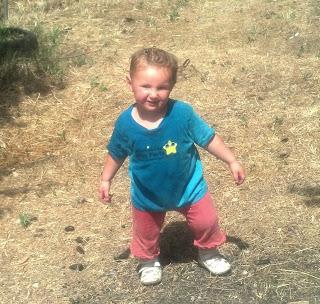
[199,130]
[119,144]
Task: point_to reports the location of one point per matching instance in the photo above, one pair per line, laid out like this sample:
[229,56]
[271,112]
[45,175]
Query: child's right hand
[104,192]
[237,172]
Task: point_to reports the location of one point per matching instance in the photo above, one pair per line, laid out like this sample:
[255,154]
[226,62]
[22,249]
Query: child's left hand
[238,172]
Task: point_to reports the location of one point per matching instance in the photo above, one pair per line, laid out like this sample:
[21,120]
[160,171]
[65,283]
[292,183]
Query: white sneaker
[213,261]
[150,273]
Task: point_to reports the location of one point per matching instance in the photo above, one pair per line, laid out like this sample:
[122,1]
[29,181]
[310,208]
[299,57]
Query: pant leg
[202,219]
[146,233]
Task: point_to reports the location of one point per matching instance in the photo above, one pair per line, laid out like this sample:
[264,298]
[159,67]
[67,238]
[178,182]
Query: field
[250,68]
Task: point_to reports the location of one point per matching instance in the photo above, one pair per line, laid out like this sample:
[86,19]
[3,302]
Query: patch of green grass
[26,219]
[79,60]
[103,87]
[175,8]
[62,135]
[174,14]
[96,83]
[48,57]
[140,5]
[44,62]
[252,34]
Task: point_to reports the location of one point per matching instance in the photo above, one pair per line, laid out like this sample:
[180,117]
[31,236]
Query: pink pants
[202,219]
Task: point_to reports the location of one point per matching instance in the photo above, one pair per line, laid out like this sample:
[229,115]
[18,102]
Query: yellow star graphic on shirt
[170,147]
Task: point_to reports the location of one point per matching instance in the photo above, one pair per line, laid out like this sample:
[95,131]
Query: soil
[250,68]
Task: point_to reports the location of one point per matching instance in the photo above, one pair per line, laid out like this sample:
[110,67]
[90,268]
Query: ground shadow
[11,167]
[11,94]
[176,245]
[310,192]
[40,189]
[4,211]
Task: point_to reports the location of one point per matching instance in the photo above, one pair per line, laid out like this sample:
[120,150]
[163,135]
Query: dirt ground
[253,73]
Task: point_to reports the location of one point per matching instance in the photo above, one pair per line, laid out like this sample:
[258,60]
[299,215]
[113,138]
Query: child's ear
[128,82]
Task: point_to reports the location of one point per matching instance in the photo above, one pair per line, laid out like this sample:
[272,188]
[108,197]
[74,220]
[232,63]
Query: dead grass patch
[253,73]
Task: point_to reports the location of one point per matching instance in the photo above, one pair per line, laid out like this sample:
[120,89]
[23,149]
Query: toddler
[160,135]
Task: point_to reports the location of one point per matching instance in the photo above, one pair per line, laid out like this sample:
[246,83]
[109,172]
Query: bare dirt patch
[253,74]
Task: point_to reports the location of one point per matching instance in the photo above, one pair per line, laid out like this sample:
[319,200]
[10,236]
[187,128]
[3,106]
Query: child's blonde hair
[156,57]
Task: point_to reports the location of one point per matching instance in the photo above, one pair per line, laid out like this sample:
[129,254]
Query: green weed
[176,7]
[140,5]
[48,58]
[174,14]
[26,219]
[39,63]
[79,60]
[95,83]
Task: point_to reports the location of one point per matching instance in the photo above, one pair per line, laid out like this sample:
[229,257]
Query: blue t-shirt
[164,164]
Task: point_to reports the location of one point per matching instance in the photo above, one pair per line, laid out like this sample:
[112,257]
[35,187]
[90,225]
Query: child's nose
[153,93]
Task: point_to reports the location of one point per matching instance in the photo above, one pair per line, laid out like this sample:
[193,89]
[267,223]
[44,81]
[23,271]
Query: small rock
[80,249]
[81,200]
[38,235]
[69,228]
[77,267]
[123,255]
[284,155]
[79,240]
[129,19]
[263,261]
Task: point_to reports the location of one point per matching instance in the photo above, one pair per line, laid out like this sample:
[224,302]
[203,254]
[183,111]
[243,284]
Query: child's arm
[111,167]
[218,148]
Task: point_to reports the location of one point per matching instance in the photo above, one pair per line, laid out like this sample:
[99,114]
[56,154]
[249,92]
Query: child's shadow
[176,244]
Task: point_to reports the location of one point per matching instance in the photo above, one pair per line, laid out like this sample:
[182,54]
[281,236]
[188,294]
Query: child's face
[151,87]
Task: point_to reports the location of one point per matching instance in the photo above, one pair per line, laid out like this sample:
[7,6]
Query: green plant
[79,60]
[26,219]
[96,83]
[174,14]
[182,3]
[42,62]
[62,135]
[103,87]
[48,58]
[252,34]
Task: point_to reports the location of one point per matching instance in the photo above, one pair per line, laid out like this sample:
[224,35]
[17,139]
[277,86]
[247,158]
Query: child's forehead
[149,68]
[145,66]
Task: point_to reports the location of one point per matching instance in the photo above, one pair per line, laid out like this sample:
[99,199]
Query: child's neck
[149,120]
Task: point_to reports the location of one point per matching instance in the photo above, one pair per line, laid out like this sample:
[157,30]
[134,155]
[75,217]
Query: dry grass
[253,73]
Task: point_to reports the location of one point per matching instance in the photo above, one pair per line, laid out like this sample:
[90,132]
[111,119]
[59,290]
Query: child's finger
[240,178]
[104,196]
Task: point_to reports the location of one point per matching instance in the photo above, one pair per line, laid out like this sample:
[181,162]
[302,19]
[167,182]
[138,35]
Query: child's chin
[155,105]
